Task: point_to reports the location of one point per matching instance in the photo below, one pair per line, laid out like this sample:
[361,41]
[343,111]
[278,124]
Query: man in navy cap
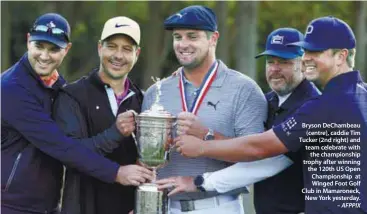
[204,89]
[332,127]
[281,193]
[33,147]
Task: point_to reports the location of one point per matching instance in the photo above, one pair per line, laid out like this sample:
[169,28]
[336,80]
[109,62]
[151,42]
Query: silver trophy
[153,139]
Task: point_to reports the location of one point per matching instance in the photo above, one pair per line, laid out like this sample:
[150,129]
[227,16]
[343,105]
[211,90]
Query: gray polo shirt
[234,106]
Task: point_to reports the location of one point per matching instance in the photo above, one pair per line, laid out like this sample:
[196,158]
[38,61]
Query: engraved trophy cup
[153,138]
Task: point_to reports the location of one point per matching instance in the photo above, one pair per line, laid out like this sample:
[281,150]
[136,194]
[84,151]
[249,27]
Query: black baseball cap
[53,28]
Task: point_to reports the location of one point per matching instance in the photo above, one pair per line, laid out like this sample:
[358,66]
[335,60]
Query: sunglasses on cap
[46,29]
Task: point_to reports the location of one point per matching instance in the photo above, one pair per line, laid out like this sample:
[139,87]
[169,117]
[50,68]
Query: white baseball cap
[121,25]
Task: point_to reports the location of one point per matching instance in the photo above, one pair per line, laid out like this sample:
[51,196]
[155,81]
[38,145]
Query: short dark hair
[131,39]
[350,57]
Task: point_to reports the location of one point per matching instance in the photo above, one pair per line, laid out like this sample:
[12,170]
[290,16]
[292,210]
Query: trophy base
[150,200]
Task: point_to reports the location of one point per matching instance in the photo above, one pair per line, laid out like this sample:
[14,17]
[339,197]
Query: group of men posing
[221,146]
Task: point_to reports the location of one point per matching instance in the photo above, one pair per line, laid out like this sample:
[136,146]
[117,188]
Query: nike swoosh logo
[117,25]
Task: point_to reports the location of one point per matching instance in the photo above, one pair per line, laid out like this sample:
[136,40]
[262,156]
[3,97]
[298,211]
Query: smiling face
[118,55]
[283,75]
[192,47]
[45,57]
[319,65]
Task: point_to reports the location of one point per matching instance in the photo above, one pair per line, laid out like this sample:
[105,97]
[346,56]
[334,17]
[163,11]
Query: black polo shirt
[335,125]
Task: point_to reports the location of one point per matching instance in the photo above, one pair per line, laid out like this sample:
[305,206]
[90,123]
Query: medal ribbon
[204,88]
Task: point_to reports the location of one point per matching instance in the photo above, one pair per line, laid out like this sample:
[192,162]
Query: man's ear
[99,47]
[68,47]
[342,57]
[137,54]
[214,38]
[28,42]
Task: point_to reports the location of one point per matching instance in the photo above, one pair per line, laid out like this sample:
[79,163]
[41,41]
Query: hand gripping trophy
[153,139]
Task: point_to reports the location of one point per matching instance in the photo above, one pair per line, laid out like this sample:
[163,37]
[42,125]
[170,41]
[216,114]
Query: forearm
[247,148]
[245,173]
[104,142]
[69,116]
[219,136]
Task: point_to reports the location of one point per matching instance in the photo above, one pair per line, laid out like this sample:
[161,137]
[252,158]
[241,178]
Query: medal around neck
[153,139]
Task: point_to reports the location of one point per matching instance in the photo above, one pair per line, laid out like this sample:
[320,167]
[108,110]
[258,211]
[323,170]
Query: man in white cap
[90,107]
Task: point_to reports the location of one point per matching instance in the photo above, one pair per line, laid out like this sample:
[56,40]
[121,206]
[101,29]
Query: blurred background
[243,28]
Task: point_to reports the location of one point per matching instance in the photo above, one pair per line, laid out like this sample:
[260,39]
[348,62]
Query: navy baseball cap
[51,27]
[327,33]
[276,44]
[193,17]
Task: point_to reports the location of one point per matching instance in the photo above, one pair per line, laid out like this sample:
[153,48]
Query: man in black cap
[332,127]
[211,101]
[33,147]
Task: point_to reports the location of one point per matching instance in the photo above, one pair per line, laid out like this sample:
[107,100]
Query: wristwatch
[199,181]
[209,135]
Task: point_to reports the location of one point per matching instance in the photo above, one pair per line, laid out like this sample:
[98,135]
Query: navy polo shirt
[281,193]
[333,129]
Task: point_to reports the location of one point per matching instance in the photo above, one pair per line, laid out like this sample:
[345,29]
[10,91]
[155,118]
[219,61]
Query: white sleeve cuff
[207,185]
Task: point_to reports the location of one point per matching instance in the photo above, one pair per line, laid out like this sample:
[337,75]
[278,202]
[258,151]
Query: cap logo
[277,39]
[122,25]
[180,15]
[309,29]
[51,25]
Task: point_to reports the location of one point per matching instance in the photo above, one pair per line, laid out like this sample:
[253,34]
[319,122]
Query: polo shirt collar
[219,79]
[298,95]
[96,80]
[343,81]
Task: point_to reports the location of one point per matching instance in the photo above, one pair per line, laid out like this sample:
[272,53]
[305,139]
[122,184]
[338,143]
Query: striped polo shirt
[234,106]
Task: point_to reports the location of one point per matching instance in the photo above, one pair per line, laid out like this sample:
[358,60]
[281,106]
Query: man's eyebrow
[192,33]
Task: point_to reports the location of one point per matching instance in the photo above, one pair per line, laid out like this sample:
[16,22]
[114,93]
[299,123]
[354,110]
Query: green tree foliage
[87,19]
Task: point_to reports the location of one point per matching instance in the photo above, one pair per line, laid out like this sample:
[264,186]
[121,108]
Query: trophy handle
[134,137]
[133,134]
[174,128]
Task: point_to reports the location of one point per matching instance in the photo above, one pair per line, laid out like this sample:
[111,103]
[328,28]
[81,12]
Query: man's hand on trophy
[189,146]
[125,122]
[133,175]
[177,184]
[188,123]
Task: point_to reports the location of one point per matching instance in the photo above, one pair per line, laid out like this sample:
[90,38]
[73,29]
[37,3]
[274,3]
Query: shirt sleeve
[149,98]
[250,110]
[305,123]
[68,115]
[245,173]
[26,113]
